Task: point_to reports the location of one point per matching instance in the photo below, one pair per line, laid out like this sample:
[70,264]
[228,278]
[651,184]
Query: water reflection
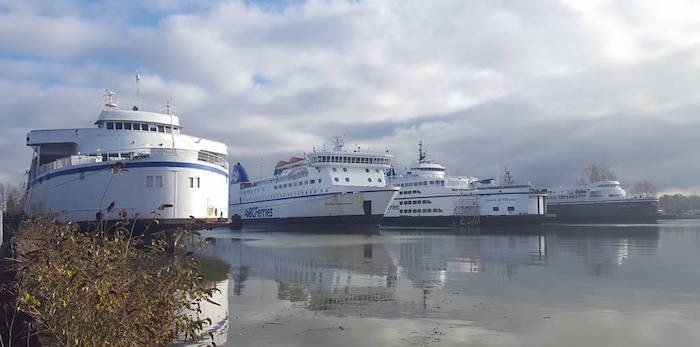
[326,272]
[321,276]
[545,286]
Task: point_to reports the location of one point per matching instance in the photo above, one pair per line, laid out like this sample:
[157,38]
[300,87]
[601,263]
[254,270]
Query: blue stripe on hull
[127,165]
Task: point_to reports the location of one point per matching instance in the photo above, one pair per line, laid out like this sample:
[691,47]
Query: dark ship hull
[610,211]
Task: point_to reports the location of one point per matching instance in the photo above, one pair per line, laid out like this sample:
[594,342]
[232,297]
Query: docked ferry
[332,186]
[603,201]
[132,161]
[429,197]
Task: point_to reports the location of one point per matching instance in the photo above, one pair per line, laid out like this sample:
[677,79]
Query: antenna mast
[138,96]
[421,154]
[110,99]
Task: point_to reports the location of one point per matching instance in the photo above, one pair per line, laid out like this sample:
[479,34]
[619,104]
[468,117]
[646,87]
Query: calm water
[595,285]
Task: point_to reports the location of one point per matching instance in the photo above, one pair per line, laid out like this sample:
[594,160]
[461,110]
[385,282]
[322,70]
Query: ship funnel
[239,174]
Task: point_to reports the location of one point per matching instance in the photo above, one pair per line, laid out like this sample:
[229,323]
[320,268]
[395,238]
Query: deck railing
[130,155]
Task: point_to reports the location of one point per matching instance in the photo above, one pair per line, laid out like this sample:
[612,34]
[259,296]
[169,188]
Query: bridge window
[110,125]
[127,126]
[511,208]
[161,129]
[118,125]
[495,209]
[144,127]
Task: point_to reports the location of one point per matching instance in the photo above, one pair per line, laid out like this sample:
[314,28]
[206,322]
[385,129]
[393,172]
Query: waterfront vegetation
[102,287]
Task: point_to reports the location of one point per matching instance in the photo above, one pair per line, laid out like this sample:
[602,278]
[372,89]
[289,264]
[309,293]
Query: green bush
[107,288]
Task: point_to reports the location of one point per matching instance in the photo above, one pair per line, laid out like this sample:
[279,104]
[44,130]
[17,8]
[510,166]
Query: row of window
[283,195]
[351,160]
[409,192]
[347,179]
[157,182]
[415,202]
[154,181]
[335,169]
[140,127]
[510,209]
[299,183]
[423,183]
[424,210]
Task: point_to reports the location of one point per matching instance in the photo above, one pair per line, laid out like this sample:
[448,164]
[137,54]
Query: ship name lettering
[256,212]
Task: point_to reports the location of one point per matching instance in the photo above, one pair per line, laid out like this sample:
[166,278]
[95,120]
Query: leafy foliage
[107,288]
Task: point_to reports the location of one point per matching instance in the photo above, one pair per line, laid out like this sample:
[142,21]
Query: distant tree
[679,204]
[597,172]
[645,189]
[14,198]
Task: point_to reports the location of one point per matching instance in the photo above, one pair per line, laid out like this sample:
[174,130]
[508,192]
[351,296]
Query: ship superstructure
[332,186]
[139,161]
[429,197]
[602,201]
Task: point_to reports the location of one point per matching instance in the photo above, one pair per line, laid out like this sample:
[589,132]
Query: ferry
[602,201]
[133,162]
[430,198]
[326,187]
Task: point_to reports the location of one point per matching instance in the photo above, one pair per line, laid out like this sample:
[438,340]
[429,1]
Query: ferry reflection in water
[325,271]
[406,280]
[323,277]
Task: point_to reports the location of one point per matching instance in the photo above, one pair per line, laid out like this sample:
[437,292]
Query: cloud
[544,88]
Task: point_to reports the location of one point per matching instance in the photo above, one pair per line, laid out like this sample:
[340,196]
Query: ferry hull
[83,194]
[331,209]
[455,221]
[616,211]
[332,224]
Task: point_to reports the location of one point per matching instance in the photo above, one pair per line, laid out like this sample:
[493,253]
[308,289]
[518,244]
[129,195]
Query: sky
[542,87]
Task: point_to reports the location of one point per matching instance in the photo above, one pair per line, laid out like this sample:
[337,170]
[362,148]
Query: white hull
[334,204]
[78,193]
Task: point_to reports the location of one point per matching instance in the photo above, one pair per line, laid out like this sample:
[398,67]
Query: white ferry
[140,161]
[430,198]
[603,201]
[323,187]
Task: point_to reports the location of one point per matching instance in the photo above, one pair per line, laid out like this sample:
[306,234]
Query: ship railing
[214,158]
[130,154]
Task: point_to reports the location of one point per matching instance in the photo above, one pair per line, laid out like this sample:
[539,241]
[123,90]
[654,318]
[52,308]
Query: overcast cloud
[542,87]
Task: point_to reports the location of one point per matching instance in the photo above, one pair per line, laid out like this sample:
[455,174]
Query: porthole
[345,169]
[367,170]
[369,179]
[319,180]
[347,179]
[336,179]
[334,169]
[376,170]
[379,180]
